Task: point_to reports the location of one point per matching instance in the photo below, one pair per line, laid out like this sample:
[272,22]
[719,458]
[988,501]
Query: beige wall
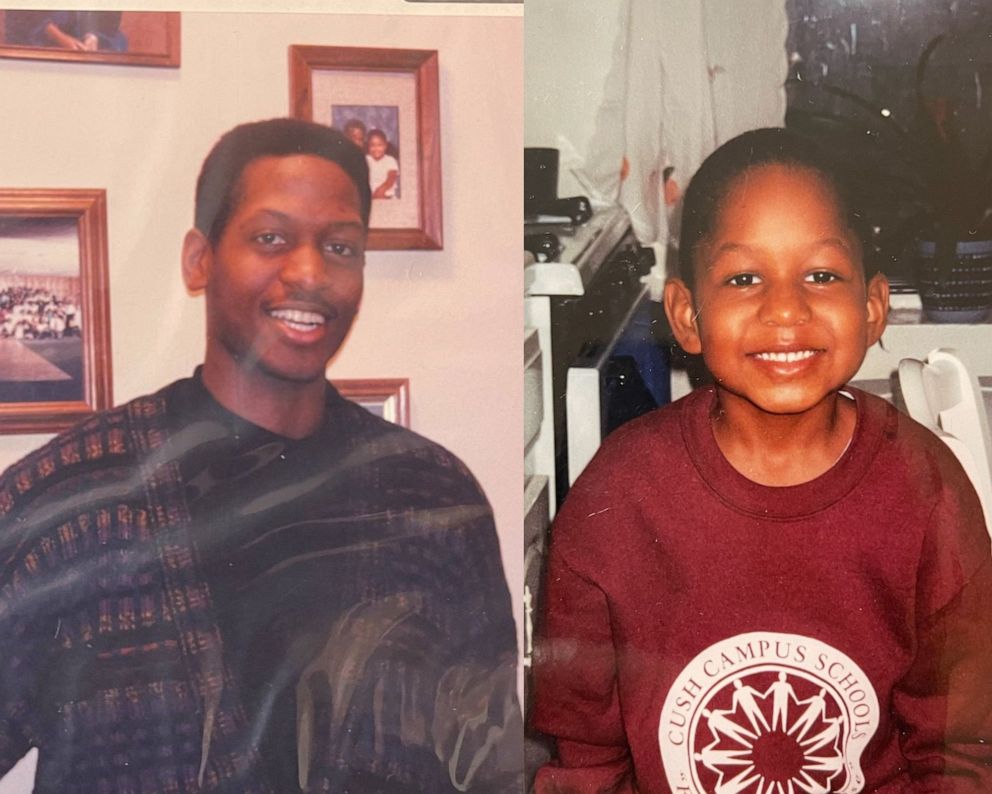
[448,320]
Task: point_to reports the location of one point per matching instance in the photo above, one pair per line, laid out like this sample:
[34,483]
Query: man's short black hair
[220,176]
[769,146]
[354,124]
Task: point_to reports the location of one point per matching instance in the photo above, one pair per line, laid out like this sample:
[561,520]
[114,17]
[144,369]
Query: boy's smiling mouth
[785,356]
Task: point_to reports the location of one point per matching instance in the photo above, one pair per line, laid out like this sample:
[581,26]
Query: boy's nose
[785,304]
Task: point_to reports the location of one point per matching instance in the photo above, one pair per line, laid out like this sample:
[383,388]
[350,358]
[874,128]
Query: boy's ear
[196,259]
[878,307]
[682,315]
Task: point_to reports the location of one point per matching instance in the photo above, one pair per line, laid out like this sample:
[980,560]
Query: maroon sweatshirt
[703,633]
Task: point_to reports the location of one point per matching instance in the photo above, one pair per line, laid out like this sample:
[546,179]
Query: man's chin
[277,366]
[302,375]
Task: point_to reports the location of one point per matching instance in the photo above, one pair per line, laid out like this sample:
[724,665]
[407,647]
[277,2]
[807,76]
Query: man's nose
[305,266]
[785,303]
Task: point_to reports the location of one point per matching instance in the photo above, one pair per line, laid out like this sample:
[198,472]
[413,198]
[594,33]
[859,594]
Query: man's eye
[270,238]
[341,249]
[744,280]
[822,277]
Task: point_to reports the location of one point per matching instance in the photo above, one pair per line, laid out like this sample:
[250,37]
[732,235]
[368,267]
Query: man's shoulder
[400,454]
[112,438]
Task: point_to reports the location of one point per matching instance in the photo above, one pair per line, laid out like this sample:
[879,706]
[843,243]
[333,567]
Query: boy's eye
[822,277]
[744,280]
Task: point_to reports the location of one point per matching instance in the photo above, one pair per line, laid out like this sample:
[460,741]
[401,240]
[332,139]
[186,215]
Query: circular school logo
[766,712]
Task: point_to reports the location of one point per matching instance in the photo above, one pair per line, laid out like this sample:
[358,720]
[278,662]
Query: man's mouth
[786,356]
[298,319]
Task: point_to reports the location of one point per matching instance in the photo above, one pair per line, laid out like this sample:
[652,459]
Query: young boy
[778,584]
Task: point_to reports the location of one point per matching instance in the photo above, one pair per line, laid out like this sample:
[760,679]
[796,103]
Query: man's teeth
[298,319]
[787,357]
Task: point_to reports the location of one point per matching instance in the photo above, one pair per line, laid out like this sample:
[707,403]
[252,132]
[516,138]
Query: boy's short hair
[220,177]
[375,132]
[768,146]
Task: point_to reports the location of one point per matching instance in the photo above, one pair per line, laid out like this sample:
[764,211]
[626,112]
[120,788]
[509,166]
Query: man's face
[783,313]
[357,136]
[284,281]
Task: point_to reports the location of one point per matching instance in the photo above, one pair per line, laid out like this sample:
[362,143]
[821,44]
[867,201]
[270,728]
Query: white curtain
[687,76]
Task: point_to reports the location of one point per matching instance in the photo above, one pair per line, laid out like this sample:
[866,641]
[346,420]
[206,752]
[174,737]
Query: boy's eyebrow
[825,242]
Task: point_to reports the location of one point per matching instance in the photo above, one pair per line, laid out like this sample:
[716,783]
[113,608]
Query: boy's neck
[782,449]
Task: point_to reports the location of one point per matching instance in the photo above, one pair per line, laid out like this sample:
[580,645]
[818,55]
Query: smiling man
[244,582]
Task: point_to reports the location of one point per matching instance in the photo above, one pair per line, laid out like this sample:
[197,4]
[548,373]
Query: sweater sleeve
[26,635]
[18,686]
[419,677]
[477,726]
[944,704]
[575,687]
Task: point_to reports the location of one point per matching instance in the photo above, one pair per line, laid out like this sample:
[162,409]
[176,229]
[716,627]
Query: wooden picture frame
[397,91]
[152,38]
[385,397]
[55,362]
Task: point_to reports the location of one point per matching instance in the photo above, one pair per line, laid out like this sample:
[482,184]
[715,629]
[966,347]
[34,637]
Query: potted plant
[929,195]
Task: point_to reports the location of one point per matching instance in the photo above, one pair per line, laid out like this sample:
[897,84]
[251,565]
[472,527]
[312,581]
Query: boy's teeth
[298,319]
[787,357]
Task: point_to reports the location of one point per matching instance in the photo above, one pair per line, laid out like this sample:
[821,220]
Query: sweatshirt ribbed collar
[786,502]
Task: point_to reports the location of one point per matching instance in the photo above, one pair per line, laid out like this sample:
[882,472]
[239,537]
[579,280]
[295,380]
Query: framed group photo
[128,38]
[386,102]
[55,365]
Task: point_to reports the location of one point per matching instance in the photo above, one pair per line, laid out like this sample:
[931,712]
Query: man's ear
[197,258]
[878,307]
[682,316]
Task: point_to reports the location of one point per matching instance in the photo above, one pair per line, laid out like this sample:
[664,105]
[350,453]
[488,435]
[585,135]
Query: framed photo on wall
[385,397]
[55,365]
[386,101]
[129,38]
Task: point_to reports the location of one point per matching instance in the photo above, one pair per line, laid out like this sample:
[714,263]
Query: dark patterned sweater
[189,602]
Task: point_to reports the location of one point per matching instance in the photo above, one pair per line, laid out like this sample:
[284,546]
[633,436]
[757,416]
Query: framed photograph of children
[386,101]
[130,38]
[54,316]
[385,397]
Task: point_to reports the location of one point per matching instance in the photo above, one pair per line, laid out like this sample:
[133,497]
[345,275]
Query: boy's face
[780,309]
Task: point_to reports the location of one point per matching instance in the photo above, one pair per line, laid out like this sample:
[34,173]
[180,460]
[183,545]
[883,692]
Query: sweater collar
[200,403]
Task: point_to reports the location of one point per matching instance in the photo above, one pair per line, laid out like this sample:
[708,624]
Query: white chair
[944,396]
